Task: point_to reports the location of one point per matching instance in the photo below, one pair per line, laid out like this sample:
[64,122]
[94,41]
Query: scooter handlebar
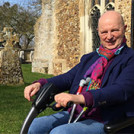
[69,104]
[44,97]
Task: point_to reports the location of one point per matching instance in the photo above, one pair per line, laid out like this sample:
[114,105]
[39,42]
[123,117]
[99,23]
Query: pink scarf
[97,69]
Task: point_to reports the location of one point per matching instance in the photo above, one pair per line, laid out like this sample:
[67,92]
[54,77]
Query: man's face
[111,32]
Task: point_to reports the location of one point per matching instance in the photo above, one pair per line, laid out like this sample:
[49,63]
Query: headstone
[31,56]
[21,55]
[10,67]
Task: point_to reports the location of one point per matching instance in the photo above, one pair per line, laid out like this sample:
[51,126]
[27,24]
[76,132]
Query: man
[109,92]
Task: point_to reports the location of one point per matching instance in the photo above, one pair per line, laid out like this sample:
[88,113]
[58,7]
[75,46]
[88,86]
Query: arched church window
[94,16]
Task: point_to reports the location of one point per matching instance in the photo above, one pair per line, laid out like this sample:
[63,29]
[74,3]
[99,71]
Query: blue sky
[20,2]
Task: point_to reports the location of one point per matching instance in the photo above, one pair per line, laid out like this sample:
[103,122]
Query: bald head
[110,15]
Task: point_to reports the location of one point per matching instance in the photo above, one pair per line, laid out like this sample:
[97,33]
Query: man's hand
[63,98]
[31,90]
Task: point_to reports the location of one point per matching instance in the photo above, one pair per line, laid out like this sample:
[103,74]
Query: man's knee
[32,127]
[35,127]
[60,130]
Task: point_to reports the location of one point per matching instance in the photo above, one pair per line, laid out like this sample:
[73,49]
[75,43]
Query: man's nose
[109,35]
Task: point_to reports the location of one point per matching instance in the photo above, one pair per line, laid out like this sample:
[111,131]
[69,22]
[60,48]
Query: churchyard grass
[13,106]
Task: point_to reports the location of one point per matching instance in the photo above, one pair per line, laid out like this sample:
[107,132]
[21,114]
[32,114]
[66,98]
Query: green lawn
[13,106]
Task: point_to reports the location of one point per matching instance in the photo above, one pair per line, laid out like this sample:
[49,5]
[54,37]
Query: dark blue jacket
[116,95]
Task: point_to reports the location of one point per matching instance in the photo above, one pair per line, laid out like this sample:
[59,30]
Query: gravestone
[10,68]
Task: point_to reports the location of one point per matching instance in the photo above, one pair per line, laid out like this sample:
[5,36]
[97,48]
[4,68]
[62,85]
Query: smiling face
[111,30]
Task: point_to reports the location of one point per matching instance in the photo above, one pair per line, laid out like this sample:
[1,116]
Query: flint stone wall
[124,7]
[57,37]
[67,48]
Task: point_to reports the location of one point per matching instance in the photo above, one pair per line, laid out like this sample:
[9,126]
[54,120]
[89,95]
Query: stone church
[66,30]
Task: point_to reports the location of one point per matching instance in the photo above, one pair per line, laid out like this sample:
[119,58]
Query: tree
[21,19]
[37,6]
